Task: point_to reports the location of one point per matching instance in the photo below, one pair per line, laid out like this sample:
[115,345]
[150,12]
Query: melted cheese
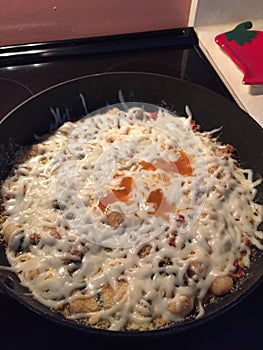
[133,197]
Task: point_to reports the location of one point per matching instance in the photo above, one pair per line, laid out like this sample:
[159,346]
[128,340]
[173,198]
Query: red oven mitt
[245,47]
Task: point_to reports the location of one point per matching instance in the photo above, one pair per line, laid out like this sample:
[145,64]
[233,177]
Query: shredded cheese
[125,219]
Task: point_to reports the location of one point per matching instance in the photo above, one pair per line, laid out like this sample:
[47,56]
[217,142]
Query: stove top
[28,69]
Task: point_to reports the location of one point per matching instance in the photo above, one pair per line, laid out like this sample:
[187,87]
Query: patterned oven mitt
[245,47]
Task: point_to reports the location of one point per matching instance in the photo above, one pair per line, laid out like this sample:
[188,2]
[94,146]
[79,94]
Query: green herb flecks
[59,205]
[99,300]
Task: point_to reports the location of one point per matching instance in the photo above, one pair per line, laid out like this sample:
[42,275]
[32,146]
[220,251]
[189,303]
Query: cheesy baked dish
[130,220]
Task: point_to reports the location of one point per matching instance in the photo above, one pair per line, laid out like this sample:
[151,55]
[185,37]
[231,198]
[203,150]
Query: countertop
[248,97]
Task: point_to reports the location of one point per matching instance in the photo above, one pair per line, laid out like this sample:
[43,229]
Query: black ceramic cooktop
[27,69]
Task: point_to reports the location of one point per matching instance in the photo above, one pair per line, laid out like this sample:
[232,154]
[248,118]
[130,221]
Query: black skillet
[210,110]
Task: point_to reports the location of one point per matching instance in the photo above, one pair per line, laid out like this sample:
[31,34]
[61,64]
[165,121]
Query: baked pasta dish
[130,220]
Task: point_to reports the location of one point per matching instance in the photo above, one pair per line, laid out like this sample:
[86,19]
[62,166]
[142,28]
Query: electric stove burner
[152,66]
[12,94]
